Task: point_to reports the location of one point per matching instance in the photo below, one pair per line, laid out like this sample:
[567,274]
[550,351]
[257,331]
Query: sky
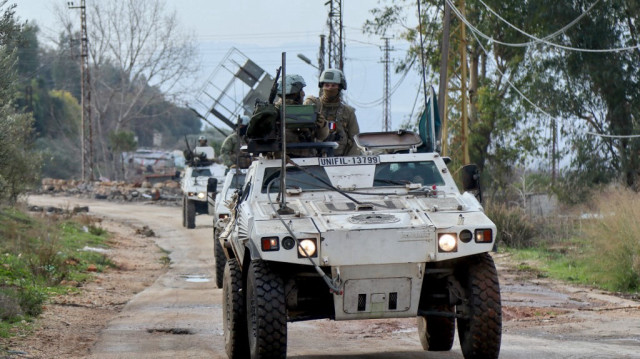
[262,30]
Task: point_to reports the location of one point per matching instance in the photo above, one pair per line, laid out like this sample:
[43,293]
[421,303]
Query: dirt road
[179,314]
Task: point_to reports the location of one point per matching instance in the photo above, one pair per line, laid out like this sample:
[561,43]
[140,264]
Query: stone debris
[162,192]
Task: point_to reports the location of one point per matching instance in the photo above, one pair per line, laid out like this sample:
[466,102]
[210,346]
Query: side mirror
[177,175]
[471,180]
[212,184]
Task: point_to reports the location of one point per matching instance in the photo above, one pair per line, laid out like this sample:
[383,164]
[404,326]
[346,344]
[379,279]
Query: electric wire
[563,29]
[538,40]
[535,105]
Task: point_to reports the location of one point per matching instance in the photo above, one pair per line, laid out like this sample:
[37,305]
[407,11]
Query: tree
[18,164]
[502,134]
[597,93]
[139,57]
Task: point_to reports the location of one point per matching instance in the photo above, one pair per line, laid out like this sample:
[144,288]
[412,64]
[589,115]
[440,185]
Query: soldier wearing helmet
[340,117]
[294,95]
[230,149]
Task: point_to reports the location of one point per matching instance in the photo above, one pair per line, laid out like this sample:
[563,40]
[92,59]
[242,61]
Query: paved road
[179,316]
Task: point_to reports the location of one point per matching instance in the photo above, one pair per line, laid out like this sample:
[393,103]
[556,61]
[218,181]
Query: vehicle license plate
[349,161]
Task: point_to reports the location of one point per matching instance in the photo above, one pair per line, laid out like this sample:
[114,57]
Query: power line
[537,40]
[563,29]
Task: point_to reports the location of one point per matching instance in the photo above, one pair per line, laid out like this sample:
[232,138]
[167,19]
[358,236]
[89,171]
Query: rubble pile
[161,192]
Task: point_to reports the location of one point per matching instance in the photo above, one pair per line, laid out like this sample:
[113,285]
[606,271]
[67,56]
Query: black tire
[191,213]
[233,312]
[480,331]
[266,312]
[437,333]
[220,259]
[184,212]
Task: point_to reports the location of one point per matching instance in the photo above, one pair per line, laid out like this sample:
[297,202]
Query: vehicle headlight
[309,246]
[201,195]
[447,242]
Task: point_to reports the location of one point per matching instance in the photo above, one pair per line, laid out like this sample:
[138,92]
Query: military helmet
[294,84]
[333,76]
[244,120]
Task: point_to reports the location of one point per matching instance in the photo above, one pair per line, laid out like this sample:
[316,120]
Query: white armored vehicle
[383,235]
[234,180]
[199,182]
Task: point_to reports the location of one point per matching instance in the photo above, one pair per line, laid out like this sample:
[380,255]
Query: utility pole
[386,110]
[444,79]
[336,59]
[463,88]
[86,131]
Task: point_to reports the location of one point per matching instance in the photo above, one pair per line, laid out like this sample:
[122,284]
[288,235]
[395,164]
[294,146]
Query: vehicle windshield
[424,173]
[238,180]
[296,178]
[198,172]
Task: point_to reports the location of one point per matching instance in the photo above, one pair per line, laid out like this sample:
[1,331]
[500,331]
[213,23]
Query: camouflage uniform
[346,124]
[230,149]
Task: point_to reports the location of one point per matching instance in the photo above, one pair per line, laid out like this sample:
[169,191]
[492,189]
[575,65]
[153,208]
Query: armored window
[201,172]
[310,179]
[400,173]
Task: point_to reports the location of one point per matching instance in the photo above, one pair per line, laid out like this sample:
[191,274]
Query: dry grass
[613,239]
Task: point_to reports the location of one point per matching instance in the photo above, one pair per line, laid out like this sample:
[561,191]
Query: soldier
[202,141]
[294,95]
[231,146]
[340,117]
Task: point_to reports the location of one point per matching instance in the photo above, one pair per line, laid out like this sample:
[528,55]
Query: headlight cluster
[201,195]
[448,242]
[309,245]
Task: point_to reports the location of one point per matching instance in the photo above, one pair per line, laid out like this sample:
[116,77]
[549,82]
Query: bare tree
[139,56]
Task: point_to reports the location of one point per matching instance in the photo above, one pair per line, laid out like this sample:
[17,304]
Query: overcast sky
[262,30]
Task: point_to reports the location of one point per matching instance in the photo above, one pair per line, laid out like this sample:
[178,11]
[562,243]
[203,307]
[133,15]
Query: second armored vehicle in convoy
[199,183]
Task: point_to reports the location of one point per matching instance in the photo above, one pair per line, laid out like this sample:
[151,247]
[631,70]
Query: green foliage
[122,141]
[38,255]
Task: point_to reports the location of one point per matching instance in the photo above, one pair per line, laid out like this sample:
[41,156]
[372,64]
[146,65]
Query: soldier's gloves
[320,121]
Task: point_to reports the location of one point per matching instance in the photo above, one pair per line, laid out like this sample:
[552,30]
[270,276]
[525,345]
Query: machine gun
[264,123]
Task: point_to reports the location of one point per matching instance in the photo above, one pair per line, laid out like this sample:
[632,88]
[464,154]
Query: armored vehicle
[234,180]
[199,183]
[383,235]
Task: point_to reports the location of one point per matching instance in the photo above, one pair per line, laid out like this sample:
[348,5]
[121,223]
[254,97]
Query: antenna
[283,167]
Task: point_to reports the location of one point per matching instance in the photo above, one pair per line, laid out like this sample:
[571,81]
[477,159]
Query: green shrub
[515,229]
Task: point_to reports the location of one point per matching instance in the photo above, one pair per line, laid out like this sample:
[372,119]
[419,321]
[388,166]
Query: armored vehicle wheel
[220,259]
[190,213]
[480,331]
[437,332]
[266,312]
[233,312]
